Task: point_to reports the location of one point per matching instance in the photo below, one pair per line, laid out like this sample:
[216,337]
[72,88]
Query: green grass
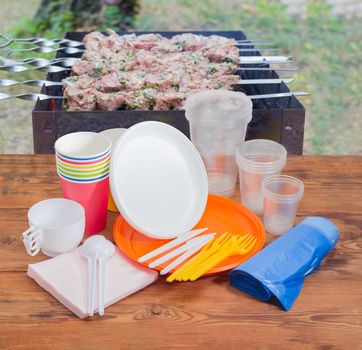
[328,50]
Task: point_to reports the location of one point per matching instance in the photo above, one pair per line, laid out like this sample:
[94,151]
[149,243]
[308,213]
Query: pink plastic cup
[93,196]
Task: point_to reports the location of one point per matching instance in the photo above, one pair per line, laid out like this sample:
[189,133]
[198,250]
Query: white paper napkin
[65,277]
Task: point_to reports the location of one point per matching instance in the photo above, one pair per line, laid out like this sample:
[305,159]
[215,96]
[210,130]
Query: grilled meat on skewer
[149,71]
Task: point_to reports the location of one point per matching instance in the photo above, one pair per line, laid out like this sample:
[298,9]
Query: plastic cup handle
[32,238]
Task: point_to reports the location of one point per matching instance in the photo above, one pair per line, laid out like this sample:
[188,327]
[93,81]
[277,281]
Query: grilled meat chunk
[80,100]
[109,102]
[149,71]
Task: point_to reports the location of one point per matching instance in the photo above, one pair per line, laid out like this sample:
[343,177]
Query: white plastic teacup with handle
[56,226]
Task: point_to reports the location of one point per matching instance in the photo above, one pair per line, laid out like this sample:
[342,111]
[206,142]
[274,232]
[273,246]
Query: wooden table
[208,314]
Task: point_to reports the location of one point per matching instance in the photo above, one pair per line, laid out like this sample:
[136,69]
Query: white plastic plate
[158,180]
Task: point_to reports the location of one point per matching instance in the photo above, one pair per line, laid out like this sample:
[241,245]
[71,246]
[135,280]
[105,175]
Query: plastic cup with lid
[218,120]
[257,160]
[282,194]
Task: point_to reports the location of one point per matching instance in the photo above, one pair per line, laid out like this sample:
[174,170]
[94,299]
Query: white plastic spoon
[90,250]
[106,251]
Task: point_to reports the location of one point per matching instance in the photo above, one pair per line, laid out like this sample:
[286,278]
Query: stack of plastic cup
[218,121]
[83,160]
[257,160]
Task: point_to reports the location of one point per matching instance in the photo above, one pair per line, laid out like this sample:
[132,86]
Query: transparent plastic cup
[258,159]
[218,121]
[282,194]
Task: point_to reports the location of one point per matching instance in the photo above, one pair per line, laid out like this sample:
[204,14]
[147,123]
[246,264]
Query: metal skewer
[264,81]
[263,59]
[40,83]
[292,69]
[46,49]
[267,62]
[39,41]
[72,43]
[282,94]
[45,68]
[69,61]
[255,41]
[67,50]
[242,59]
[258,50]
[35,97]
[30,97]
[242,44]
[40,62]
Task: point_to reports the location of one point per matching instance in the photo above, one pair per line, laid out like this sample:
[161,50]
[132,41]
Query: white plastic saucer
[158,180]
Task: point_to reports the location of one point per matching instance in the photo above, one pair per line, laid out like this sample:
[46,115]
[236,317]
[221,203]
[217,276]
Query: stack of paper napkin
[65,277]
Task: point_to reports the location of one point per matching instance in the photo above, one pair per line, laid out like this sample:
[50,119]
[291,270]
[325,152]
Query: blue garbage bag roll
[280,268]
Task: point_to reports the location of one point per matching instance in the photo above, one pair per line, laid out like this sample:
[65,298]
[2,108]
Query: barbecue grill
[278,119]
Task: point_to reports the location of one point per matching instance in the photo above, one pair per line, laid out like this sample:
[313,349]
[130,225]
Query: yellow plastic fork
[199,257]
[218,244]
[226,245]
[242,246]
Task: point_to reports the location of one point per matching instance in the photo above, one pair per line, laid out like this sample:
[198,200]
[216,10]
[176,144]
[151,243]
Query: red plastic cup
[93,196]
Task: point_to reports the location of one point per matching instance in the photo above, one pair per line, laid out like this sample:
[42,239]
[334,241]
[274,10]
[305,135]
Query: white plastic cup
[218,121]
[257,160]
[282,194]
[56,226]
[113,135]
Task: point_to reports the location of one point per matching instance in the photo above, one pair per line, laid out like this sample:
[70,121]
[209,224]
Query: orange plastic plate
[221,215]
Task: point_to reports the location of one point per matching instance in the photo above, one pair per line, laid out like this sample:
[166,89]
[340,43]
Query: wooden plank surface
[206,314]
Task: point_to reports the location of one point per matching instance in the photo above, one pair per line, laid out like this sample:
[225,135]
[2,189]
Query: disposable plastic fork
[183,237]
[188,245]
[240,247]
[205,252]
[105,253]
[90,250]
[185,256]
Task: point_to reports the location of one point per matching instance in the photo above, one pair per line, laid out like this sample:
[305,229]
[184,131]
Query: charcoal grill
[278,119]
